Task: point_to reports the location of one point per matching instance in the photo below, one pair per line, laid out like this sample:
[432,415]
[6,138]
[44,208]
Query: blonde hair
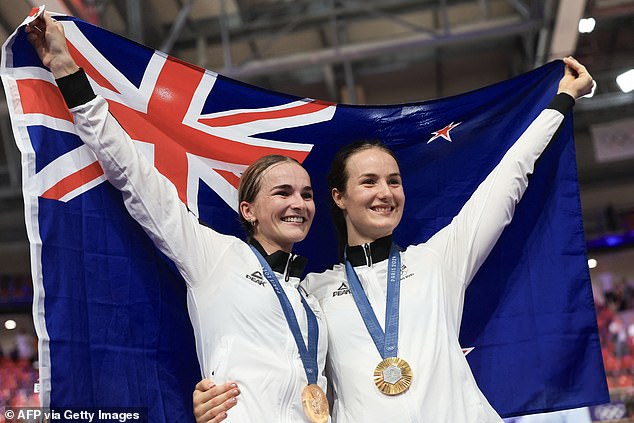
[251,181]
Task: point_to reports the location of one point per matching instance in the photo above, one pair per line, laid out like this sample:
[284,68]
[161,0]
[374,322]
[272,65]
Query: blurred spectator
[25,346]
[628,287]
[618,332]
[606,281]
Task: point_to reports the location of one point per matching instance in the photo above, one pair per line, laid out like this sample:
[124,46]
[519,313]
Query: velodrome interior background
[379,52]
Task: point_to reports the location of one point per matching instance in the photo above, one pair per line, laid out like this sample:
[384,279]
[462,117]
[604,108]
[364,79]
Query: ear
[247,210]
[337,197]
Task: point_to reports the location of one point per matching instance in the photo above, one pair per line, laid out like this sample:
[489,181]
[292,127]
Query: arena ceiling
[367,52]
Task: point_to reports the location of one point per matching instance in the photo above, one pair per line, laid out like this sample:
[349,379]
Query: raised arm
[466,242]
[150,198]
[47,37]
[576,81]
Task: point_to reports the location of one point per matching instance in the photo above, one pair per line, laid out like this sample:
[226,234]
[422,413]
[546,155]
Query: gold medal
[315,404]
[393,376]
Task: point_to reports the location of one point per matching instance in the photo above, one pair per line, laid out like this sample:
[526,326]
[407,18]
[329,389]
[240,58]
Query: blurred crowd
[17,381]
[614,302]
[15,290]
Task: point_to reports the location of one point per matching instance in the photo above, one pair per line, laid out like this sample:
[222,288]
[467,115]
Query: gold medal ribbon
[393,375]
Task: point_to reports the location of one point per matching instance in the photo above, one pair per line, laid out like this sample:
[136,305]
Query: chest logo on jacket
[404,272]
[342,290]
[256,277]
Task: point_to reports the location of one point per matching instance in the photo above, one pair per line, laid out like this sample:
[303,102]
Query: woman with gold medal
[393,352]
[253,327]
[394,314]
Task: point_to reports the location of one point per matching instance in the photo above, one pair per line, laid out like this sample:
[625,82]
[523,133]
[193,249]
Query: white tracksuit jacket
[434,278]
[240,329]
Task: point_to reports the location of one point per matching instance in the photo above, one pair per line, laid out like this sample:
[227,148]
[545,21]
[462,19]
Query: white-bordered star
[444,132]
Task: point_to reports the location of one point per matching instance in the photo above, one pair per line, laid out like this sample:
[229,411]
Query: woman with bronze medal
[394,314]
[273,344]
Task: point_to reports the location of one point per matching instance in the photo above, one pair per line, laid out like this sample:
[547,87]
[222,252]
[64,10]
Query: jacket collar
[287,264]
[373,252]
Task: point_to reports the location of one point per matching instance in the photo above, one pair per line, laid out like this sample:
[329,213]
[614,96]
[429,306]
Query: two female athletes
[393,314]
[272,342]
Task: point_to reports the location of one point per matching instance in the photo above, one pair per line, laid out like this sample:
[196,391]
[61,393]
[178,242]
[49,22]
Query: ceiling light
[10,324]
[586,25]
[626,81]
[592,263]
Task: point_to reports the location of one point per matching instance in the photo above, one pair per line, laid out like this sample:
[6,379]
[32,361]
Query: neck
[355,239]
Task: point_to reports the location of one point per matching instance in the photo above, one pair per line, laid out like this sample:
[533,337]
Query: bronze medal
[315,404]
[393,376]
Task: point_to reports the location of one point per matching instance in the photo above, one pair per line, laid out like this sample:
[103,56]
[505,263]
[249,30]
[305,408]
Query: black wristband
[562,102]
[76,89]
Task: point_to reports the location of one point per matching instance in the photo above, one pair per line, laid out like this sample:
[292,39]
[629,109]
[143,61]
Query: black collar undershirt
[287,264]
[373,252]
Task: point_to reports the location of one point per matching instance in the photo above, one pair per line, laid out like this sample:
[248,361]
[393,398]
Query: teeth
[382,209]
[293,219]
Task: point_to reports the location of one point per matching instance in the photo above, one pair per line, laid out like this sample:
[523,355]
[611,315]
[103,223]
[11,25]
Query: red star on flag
[444,132]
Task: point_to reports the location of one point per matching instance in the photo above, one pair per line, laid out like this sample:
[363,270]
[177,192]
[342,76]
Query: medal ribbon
[308,354]
[386,342]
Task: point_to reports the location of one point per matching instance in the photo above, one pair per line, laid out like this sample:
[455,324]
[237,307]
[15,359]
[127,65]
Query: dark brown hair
[251,182]
[338,178]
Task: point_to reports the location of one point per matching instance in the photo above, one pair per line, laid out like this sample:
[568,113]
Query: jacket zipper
[368,254]
[287,274]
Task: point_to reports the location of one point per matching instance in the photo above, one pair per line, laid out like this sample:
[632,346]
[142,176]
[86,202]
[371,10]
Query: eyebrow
[288,186]
[365,175]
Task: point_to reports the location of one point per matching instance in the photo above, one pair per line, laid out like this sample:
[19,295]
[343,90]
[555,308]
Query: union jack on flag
[166,112]
[110,310]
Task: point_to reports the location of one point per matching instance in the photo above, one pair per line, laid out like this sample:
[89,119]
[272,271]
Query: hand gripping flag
[110,310]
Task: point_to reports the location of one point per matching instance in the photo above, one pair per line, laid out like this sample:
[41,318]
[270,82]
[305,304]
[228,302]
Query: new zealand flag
[110,310]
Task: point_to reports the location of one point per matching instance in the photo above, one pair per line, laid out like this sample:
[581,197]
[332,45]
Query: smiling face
[373,200]
[283,209]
